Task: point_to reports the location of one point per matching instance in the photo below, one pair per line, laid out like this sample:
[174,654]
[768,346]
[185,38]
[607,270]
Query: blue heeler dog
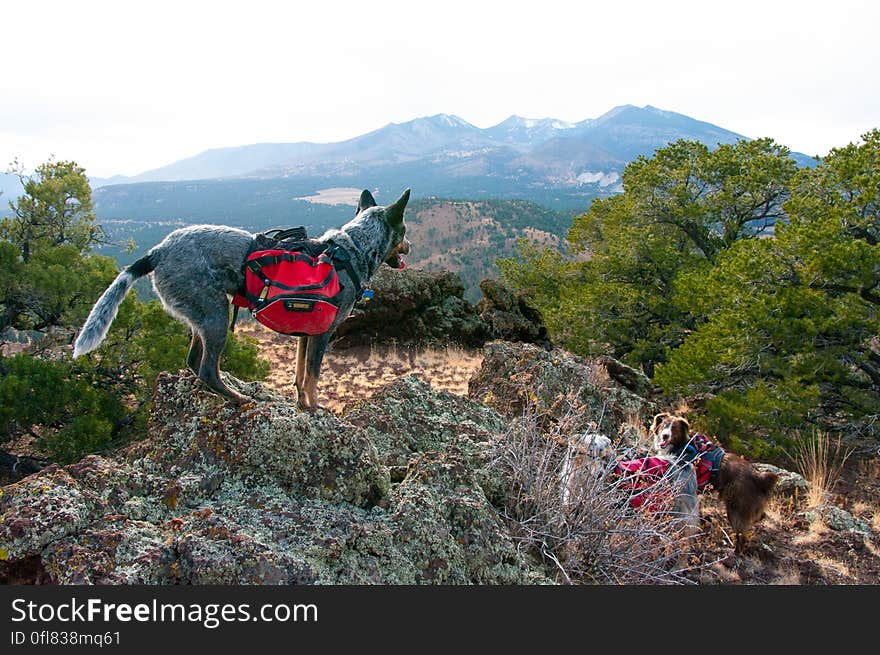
[196,269]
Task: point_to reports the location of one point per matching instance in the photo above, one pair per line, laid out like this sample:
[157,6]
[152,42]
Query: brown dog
[744,490]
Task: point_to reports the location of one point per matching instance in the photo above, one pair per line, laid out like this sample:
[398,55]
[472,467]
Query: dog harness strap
[258,302]
[280,234]
[342,257]
[258,263]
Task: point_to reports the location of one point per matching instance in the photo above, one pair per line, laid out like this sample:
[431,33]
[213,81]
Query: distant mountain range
[548,151]
[549,161]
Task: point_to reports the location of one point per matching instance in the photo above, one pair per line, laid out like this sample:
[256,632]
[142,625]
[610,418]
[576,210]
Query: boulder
[413,305]
[788,483]
[627,376]
[838,519]
[556,385]
[407,417]
[509,316]
[421,306]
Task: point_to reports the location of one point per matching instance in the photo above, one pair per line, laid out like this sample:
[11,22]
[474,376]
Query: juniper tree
[791,332]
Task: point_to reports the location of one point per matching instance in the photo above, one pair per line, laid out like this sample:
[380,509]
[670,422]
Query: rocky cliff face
[400,489]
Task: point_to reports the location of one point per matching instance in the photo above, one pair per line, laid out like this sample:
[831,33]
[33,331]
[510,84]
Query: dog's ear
[680,429]
[658,419]
[394,211]
[365,202]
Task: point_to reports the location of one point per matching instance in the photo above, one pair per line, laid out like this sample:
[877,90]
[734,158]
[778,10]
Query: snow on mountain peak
[451,120]
[532,123]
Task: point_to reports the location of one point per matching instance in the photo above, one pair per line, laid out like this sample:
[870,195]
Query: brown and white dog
[744,490]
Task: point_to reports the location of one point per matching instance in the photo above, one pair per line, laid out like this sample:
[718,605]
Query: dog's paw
[241,401]
[316,409]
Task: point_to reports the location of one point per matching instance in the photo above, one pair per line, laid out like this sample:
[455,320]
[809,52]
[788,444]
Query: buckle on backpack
[337,252]
[294,305]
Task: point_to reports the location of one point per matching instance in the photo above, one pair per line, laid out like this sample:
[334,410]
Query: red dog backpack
[290,292]
[640,478]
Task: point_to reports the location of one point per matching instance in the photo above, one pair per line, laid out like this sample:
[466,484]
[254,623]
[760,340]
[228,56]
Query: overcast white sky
[122,87]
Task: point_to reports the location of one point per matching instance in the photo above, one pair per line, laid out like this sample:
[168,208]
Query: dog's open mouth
[664,438]
[396,261]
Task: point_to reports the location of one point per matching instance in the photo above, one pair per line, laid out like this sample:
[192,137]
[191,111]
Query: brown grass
[578,521]
[820,460]
[356,373]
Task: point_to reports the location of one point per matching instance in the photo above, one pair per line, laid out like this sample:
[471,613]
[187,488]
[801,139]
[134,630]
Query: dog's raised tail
[98,323]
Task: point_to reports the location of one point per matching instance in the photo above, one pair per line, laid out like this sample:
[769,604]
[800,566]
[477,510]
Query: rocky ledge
[409,486]
[398,490]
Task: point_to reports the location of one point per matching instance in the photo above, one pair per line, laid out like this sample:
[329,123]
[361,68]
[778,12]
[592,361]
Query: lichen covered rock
[449,529]
[516,375]
[421,306]
[265,494]
[312,455]
[838,519]
[408,417]
[414,305]
[788,483]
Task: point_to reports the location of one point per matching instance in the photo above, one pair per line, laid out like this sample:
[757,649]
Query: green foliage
[50,281]
[730,274]
[712,198]
[679,210]
[55,209]
[241,357]
[537,271]
[791,328]
[623,301]
[543,274]
[58,403]
[45,271]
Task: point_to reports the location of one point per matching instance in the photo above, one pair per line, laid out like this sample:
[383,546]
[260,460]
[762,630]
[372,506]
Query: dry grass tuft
[597,376]
[821,460]
[682,408]
[578,520]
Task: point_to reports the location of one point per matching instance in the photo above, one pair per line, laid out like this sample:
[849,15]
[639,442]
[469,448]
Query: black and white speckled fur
[195,270]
